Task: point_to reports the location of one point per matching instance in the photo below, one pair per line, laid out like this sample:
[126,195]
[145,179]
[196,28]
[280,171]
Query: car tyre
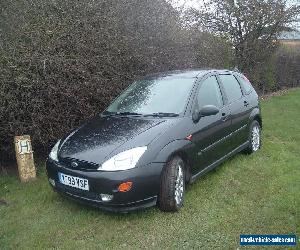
[254,137]
[172,186]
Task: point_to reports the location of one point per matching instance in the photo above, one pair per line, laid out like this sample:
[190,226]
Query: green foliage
[270,74]
[287,61]
[62,62]
[249,194]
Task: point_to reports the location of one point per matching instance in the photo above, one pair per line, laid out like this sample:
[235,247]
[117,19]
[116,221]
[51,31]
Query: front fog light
[52,182]
[106,197]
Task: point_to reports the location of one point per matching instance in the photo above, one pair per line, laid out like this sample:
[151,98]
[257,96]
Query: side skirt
[218,162]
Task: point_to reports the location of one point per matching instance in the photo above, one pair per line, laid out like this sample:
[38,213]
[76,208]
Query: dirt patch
[277,93]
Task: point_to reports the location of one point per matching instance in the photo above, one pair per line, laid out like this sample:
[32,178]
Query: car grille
[69,163]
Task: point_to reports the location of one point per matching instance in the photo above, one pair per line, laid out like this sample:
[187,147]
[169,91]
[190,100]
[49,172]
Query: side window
[231,87]
[209,93]
[245,84]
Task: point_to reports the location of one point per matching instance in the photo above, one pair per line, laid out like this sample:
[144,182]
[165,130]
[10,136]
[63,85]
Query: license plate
[73,181]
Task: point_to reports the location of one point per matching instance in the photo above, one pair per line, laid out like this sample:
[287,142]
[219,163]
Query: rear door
[209,132]
[239,109]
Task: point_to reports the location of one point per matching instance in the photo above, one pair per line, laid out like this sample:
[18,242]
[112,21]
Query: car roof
[186,74]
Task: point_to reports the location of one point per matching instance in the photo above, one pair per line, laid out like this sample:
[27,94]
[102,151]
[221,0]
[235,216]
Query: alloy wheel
[255,138]
[179,185]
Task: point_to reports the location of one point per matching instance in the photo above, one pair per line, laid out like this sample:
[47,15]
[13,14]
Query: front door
[210,132]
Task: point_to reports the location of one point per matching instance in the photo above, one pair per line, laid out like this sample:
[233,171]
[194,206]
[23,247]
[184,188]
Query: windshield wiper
[162,114]
[158,114]
[127,113]
[109,113]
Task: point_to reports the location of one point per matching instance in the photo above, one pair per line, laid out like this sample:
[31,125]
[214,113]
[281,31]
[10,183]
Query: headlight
[123,161]
[53,153]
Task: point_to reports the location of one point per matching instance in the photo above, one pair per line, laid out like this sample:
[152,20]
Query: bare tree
[252,26]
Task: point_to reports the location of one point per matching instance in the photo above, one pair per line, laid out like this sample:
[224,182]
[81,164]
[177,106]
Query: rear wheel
[172,186]
[254,137]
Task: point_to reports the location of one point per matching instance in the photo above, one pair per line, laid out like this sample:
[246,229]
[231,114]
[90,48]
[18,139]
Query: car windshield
[159,97]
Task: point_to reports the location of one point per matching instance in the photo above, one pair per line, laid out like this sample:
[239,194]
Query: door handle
[224,117]
[246,103]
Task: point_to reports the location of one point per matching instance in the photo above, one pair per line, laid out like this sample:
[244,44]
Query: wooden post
[24,155]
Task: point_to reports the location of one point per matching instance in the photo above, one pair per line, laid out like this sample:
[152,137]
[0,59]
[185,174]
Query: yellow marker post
[24,155]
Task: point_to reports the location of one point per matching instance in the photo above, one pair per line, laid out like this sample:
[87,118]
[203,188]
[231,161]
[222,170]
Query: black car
[162,132]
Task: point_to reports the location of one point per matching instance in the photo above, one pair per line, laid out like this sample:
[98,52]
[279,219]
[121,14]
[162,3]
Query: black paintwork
[214,138]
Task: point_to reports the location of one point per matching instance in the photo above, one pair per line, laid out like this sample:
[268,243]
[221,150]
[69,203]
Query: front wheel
[254,137]
[172,186]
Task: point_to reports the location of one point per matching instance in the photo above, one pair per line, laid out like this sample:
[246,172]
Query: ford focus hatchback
[161,133]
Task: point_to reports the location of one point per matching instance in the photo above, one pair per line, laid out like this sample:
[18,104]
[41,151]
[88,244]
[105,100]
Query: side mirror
[206,110]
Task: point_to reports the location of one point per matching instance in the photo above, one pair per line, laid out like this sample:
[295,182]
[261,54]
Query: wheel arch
[177,148]
[256,115]
[258,118]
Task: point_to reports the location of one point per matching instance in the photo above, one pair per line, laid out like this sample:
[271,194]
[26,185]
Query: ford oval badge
[74,164]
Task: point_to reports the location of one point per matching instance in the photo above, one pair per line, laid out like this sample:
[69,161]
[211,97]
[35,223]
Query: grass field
[257,194]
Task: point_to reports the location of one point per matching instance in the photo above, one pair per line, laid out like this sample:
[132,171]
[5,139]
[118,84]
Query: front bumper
[144,191]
